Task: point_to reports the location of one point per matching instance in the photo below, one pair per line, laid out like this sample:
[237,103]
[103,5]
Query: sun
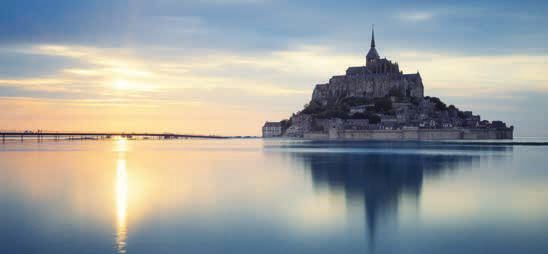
[122,84]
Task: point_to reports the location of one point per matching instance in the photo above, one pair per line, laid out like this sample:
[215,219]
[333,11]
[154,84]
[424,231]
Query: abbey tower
[378,78]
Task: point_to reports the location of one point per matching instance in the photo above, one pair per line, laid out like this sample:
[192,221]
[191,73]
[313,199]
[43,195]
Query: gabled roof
[272,124]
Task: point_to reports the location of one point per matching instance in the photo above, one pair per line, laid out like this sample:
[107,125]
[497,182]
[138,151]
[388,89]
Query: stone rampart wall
[420,134]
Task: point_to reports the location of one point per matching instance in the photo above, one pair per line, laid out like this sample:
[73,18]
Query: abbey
[379,101]
[378,78]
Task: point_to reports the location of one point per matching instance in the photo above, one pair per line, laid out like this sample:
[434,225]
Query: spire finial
[373,36]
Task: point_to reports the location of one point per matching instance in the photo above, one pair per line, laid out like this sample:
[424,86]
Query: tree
[313,107]
[285,124]
[383,104]
[439,104]
[359,115]
[334,111]
[374,118]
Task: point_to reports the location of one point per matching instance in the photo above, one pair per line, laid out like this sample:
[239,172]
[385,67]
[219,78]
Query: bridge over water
[99,135]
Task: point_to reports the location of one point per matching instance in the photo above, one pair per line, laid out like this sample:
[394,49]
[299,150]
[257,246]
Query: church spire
[373,36]
[372,55]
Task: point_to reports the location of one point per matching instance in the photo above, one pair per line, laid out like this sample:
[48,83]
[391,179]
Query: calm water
[254,196]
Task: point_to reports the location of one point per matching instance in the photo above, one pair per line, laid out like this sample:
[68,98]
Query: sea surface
[272,196]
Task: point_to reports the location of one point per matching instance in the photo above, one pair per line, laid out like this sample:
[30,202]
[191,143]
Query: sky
[226,66]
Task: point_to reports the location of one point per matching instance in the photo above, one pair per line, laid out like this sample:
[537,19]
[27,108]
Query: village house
[272,129]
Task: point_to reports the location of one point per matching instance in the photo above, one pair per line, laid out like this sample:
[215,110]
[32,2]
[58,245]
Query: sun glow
[121,191]
[121,197]
[121,146]
[122,84]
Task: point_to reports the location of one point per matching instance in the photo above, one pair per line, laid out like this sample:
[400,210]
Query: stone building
[272,129]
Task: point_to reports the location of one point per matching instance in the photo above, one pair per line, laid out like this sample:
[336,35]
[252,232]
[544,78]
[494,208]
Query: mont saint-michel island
[380,102]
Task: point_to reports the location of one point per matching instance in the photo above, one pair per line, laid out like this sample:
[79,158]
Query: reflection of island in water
[379,178]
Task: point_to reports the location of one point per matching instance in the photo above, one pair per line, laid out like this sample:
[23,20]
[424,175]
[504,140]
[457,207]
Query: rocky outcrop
[300,124]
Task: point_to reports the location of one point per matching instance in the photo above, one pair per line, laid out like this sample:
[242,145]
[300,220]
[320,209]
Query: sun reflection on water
[121,196]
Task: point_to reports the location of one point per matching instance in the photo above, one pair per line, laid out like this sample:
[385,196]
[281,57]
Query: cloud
[208,69]
[284,71]
[233,1]
[272,85]
[415,16]
[32,82]
[214,88]
[468,75]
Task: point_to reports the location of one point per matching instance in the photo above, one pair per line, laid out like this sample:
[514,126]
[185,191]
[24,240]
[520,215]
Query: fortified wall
[412,134]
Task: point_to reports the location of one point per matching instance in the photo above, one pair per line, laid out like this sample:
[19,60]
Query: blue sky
[225,66]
